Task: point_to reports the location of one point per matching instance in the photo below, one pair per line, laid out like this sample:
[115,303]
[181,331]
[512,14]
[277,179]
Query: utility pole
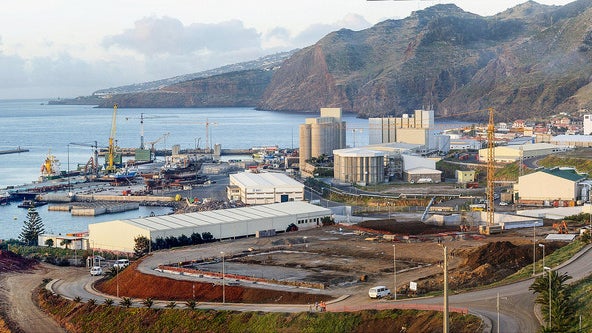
[395,270]
[445,291]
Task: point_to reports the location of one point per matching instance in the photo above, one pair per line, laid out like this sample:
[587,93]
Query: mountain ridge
[530,60]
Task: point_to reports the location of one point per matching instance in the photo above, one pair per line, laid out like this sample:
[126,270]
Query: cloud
[154,36]
[315,32]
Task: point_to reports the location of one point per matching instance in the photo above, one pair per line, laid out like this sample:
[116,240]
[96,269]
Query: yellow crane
[111,153]
[490,160]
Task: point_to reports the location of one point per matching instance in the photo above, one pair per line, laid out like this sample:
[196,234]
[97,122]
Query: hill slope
[528,61]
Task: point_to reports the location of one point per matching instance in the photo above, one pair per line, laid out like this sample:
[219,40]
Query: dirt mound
[407,228]
[10,261]
[133,283]
[484,265]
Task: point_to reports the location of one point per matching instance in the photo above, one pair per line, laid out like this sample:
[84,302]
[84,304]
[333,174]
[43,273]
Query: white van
[121,263]
[96,271]
[378,292]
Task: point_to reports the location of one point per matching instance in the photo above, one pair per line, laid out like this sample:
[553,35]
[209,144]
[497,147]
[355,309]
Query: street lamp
[543,246]
[549,270]
[534,249]
[445,292]
[223,282]
[395,269]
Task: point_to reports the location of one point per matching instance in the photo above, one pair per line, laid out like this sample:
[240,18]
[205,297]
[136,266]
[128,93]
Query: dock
[13,151]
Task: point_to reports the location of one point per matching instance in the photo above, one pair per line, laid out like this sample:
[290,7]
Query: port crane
[93,161]
[111,153]
[490,159]
[142,117]
[152,143]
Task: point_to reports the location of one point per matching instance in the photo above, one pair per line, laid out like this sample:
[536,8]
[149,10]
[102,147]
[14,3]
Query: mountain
[528,61]
[531,59]
[240,84]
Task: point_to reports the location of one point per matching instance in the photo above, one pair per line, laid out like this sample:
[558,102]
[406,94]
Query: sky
[68,48]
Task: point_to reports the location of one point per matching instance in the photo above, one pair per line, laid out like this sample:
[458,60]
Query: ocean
[67,131]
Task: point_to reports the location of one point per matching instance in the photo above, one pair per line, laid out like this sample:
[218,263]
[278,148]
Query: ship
[50,169]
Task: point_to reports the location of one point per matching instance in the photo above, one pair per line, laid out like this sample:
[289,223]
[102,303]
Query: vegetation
[551,260]
[32,228]
[171,241]
[142,246]
[557,305]
[84,317]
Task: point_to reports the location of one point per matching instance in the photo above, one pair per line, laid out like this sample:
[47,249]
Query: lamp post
[223,282]
[543,246]
[549,271]
[395,270]
[534,249]
[445,292]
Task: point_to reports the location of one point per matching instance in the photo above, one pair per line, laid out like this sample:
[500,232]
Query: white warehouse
[119,235]
[264,188]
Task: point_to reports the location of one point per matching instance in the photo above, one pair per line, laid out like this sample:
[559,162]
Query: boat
[31,203]
[50,169]
[124,174]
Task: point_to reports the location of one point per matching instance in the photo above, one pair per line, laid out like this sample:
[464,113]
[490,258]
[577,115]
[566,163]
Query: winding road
[516,310]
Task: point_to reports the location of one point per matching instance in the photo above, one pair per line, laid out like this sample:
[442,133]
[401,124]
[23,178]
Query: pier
[13,151]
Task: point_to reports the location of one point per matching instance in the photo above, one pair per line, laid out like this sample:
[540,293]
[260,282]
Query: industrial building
[377,163]
[572,140]
[264,188]
[513,153]
[320,136]
[465,176]
[119,235]
[359,166]
[418,128]
[552,187]
[422,175]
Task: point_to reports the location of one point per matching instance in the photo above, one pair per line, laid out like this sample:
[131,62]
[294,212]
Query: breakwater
[13,151]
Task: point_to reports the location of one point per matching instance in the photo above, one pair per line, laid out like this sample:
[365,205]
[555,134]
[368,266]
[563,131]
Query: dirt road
[16,301]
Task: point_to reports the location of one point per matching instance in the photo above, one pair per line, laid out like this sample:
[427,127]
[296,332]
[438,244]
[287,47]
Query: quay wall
[94,197]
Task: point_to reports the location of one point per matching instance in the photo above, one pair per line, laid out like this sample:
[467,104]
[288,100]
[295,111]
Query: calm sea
[41,128]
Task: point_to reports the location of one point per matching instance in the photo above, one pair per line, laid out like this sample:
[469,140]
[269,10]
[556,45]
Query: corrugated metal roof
[569,174]
[249,179]
[572,138]
[178,221]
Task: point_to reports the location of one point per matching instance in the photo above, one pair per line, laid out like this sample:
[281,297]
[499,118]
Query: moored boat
[31,203]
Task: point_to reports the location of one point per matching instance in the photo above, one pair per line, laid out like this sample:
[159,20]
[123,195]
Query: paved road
[516,301]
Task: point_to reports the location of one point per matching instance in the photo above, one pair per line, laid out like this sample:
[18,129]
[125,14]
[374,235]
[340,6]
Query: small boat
[125,174]
[31,203]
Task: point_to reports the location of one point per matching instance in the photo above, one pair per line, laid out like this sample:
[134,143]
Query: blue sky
[69,48]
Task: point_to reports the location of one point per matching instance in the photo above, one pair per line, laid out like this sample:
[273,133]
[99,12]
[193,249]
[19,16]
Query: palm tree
[562,307]
[126,301]
[148,302]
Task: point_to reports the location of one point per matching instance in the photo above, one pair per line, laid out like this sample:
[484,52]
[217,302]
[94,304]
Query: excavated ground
[341,257]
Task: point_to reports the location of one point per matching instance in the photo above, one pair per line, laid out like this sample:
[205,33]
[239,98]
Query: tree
[49,242]
[142,246]
[66,243]
[562,306]
[32,228]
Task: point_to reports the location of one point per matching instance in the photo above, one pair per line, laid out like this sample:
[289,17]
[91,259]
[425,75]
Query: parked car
[96,271]
[379,292]
[121,263]
[503,203]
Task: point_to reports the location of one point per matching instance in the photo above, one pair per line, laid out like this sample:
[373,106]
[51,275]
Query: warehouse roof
[264,179]
[358,152]
[423,171]
[178,221]
[572,138]
[566,173]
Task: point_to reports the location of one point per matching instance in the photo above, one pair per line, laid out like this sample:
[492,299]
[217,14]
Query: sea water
[70,131]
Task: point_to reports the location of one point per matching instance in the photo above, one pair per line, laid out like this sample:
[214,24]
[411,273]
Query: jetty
[13,151]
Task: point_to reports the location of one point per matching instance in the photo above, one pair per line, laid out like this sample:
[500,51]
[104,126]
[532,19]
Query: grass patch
[85,317]
[554,259]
